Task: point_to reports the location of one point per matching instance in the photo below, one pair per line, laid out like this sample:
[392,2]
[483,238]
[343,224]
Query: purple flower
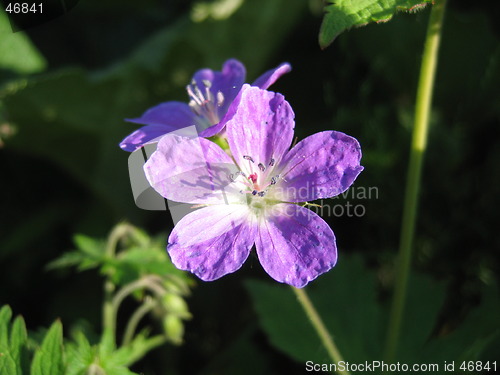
[210,93]
[253,196]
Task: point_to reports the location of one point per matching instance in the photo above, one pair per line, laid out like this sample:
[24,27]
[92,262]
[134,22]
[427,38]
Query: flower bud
[174,329]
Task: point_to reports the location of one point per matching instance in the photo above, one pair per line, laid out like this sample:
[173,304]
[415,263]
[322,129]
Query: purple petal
[294,245]
[321,166]
[192,171]
[261,126]
[174,114]
[228,82]
[271,76]
[213,241]
[159,120]
[144,135]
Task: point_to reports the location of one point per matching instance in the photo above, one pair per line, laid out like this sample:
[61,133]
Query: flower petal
[260,127]
[159,120]
[272,75]
[322,165]
[213,241]
[192,170]
[173,114]
[294,245]
[146,134]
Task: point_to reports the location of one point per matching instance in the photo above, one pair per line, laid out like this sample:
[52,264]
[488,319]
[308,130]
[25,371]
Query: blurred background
[67,85]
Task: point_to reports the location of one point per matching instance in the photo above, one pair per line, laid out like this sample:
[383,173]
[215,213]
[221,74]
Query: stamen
[193,96]
[220,98]
[261,167]
[273,180]
[207,83]
[246,157]
[261,193]
[271,163]
[199,94]
[254,192]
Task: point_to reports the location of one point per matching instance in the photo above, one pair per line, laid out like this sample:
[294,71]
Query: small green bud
[176,305]
[174,329]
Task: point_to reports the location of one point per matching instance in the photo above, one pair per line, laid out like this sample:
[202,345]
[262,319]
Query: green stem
[108,316]
[319,326]
[148,305]
[418,146]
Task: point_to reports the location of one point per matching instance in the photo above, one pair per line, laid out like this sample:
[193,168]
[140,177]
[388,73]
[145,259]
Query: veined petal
[173,114]
[144,135]
[272,75]
[322,165]
[159,120]
[192,170]
[261,127]
[213,241]
[294,245]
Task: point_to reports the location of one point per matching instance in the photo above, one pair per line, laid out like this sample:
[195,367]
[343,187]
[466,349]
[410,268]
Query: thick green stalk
[320,328]
[418,146]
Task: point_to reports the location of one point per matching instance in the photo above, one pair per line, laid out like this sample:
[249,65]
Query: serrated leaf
[90,246]
[131,353]
[18,53]
[7,365]
[72,258]
[80,355]
[17,340]
[48,359]
[343,14]
[5,315]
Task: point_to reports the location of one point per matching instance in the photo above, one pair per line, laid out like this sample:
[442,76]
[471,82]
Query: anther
[254,192]
[220,98]
[246,157]
[261,193]
[207,83]
[273,180]
[261,167]
[271,163]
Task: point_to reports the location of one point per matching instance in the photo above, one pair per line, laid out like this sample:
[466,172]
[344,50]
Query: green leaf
[80,355]
[90,246]
[48,359]
[345,299]
[7,364]
[18,53]
[72,258]
[18,339]
[5,315]
[344,14]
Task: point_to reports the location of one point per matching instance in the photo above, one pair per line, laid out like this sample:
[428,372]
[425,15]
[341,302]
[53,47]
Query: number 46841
[24,8]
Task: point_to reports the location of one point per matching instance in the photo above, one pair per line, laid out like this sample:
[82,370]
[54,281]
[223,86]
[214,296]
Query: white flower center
[258,185]
[204,103]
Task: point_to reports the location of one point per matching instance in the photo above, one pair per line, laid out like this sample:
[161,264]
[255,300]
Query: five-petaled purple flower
[211,95]
[253,196]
